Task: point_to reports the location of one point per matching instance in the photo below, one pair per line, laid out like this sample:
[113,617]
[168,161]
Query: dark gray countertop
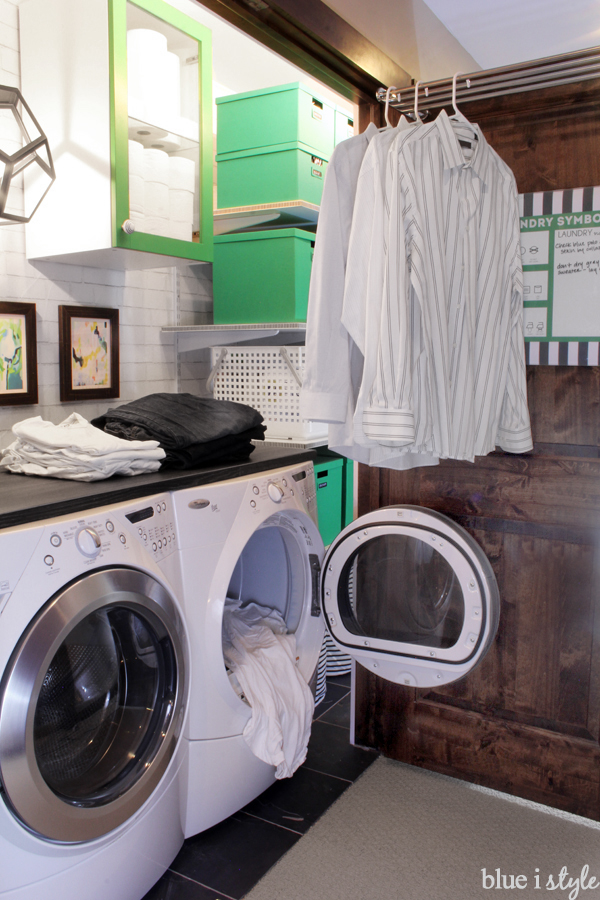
[26,498]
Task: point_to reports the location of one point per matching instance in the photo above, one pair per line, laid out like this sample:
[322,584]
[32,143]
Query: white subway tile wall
[146,300]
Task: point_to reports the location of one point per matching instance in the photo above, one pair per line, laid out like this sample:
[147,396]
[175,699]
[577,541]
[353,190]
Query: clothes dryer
[94,660]
[404,590]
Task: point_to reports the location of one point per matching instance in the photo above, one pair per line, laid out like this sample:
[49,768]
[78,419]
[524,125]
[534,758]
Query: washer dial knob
[275,492]
[88,542]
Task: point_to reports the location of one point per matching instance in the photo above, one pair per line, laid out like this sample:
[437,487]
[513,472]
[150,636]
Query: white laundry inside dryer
[260,616]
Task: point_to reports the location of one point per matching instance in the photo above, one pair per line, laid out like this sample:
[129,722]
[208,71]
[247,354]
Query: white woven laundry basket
[268,379]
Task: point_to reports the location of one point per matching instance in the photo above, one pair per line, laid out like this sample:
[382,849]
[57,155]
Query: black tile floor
[225,862]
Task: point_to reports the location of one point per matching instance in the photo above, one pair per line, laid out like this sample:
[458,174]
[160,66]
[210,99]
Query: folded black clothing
[221,451]
[177,421]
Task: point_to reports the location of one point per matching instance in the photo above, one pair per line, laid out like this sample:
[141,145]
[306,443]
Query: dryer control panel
[304,479]
[280,487]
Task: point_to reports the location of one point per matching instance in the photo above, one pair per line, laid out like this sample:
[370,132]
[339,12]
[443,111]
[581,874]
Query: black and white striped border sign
[560,353]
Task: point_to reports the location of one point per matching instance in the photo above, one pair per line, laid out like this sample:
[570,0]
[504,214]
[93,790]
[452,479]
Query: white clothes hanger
[419,117]
[417,101]
[458,115]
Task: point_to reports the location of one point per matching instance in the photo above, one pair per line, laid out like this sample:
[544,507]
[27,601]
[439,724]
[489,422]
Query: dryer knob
[275,492]
[88,542]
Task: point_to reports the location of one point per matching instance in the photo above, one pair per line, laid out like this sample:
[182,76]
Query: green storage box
[277,115]
[334,486]
[269,175]
[344,126]
[262,276]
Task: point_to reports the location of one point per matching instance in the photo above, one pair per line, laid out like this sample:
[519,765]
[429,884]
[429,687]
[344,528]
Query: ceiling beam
[316,39]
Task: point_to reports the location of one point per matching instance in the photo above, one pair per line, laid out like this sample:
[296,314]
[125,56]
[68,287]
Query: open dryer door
[410,595]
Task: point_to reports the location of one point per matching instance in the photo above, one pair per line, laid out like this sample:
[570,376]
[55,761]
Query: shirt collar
[451,151]
[370,131]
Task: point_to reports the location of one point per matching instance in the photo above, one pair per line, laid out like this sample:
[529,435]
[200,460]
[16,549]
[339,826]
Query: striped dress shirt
[444,370]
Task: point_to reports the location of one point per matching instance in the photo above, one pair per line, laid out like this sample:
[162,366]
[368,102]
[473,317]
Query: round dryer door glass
[410,595]
[91,705]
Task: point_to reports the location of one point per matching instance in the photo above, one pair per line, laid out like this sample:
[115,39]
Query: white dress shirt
[334,361]
[423,355]
[447,353]
[330,365]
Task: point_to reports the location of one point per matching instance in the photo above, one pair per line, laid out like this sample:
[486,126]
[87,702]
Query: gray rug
[403,833]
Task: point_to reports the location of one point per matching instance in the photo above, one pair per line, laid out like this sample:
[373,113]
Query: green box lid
[272,148]
[293,86]
[274,234]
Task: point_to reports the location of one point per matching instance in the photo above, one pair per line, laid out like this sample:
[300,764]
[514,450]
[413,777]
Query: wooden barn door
[527,721]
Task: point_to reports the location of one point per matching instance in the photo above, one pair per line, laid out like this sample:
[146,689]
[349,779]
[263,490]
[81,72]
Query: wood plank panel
[538,670]
[549,137]
[551,491]
[564,405]
[554,769]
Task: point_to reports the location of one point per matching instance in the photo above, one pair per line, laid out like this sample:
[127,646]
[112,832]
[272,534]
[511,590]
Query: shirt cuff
[515,441]
[396,425]
[318,406]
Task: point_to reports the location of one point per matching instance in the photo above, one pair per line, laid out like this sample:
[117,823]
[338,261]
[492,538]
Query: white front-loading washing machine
[404,590]
[94,664]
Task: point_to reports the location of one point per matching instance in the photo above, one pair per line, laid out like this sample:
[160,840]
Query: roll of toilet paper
[181,206]
[146,51]
[167,141]
[172,78]
[136,158]
[189,87]
[156,166]
[145,44]
[182,173]
[157,225]
[156,199]
[139,221]
[182,231]
[137,202]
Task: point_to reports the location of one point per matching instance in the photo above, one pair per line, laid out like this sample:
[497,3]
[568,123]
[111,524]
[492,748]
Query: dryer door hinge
[315,571]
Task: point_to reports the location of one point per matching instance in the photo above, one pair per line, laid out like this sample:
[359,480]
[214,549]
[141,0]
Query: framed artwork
[18,354]
[88,352]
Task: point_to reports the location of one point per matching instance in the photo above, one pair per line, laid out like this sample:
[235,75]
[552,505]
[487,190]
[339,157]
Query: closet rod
[580,65]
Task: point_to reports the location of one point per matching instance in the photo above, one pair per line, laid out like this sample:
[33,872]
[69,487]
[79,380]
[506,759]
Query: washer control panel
[88,541]
[151,524]
[92,538]
[154,526]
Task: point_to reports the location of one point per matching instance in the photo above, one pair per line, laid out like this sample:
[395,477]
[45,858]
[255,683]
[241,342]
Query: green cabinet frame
[151,243]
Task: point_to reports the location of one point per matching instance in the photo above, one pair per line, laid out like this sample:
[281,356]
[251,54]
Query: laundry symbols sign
[560,251]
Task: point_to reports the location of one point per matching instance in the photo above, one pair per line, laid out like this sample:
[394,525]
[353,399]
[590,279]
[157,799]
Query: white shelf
[293,443]
[198,337]
[287,214]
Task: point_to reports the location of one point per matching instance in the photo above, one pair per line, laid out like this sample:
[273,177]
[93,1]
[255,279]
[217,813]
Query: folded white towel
[75,433]
[76,450]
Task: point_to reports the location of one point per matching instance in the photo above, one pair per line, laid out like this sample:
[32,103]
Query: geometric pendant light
[25,158]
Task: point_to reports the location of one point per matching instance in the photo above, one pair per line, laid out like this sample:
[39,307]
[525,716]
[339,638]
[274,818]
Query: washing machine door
[91,705]
[410,595]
